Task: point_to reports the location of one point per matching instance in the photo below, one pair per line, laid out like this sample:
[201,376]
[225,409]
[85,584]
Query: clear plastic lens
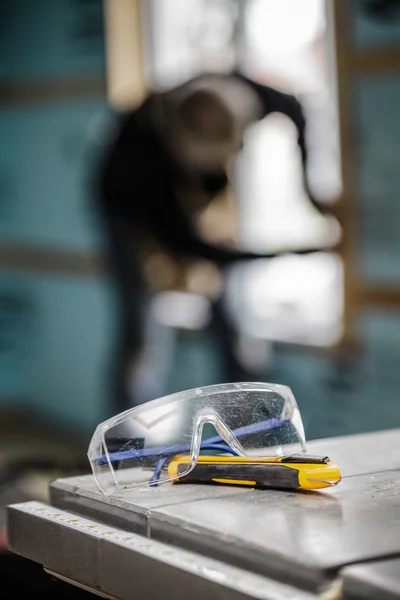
[248,419]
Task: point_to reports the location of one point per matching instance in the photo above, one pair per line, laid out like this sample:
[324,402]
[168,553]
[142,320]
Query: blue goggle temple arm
[162,461]
[115,457]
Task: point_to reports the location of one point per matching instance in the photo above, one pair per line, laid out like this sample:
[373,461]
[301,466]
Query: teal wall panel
[378,174]
[68,372]
[17,330]
[45,164]
[55,331]
[372,33]
[44,39]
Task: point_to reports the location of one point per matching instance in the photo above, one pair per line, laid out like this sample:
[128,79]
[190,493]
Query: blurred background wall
[60,80]
[54,306]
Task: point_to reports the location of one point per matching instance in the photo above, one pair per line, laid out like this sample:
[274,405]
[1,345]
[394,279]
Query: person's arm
[275,101]
[173,227]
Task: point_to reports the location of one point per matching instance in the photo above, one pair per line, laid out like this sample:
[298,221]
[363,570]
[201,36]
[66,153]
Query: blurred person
[170,157]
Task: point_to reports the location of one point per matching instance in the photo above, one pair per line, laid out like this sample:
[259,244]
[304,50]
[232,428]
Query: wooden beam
[126,78]
[52,90]
[346,206]
[36,259]
[380,60]
[383,297]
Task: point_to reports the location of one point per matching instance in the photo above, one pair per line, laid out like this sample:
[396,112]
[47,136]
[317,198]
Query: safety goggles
[249,420]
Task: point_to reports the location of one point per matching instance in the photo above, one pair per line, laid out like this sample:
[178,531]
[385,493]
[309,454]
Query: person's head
[204,131]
